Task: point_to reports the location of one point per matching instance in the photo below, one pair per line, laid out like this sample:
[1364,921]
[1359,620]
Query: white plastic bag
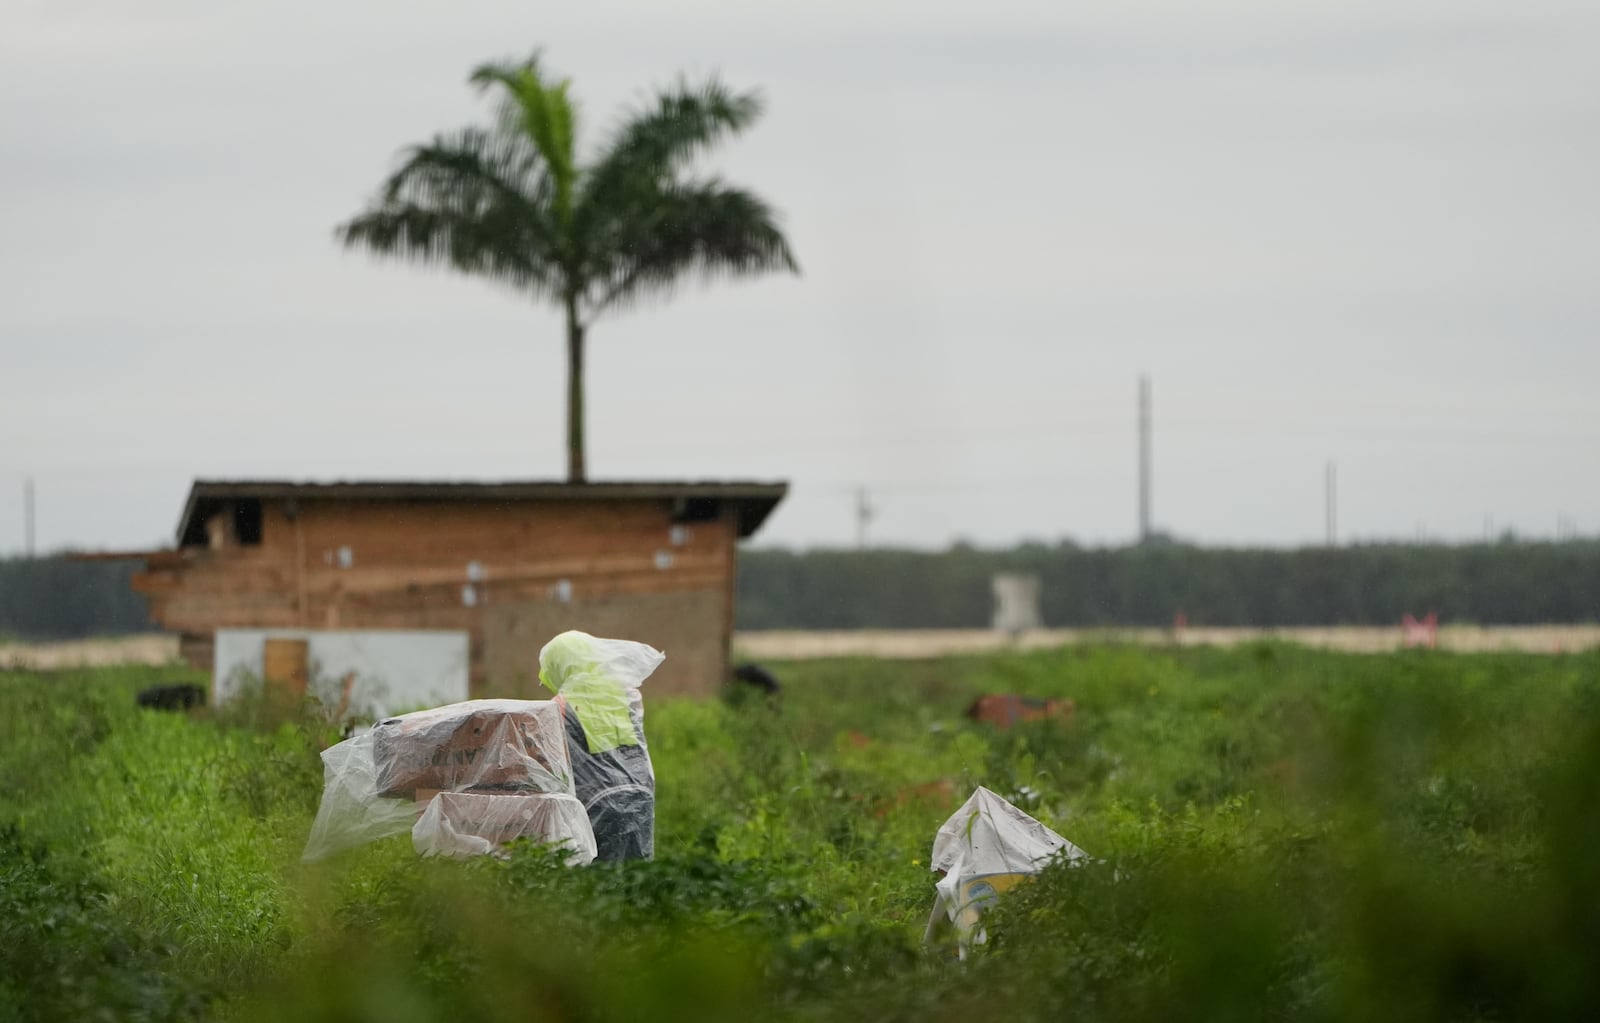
[986,847]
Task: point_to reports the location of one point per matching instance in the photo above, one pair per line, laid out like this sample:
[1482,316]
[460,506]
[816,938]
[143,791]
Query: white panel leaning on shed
[394,670]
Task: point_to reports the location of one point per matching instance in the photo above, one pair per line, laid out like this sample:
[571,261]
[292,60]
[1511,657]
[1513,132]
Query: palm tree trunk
[575,473]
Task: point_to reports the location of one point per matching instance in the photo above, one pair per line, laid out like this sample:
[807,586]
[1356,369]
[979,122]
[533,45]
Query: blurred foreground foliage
[1276,833]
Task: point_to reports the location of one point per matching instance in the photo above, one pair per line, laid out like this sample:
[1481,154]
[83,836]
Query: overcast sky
[1365,232]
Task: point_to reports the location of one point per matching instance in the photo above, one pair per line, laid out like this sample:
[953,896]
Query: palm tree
[512,203]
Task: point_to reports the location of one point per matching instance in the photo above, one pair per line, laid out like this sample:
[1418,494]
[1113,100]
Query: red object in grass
[1006,709]
[1423,633]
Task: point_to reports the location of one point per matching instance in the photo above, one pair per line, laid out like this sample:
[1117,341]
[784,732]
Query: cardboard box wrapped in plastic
[480,744]
[506,746]
[462,824]
[587,745]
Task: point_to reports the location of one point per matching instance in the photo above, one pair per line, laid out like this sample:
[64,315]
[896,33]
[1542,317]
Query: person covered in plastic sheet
[597,681]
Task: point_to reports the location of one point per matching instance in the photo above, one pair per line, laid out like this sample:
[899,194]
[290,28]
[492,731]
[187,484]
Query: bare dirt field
[152,648]
[910,643]
[917,643]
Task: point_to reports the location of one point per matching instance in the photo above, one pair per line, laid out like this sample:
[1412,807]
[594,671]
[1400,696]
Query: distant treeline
[57,598]
[1148,585]
[1505,583]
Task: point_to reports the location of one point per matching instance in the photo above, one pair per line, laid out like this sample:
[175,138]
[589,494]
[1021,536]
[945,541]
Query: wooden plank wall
[433,565]
[199,590]
[686,626]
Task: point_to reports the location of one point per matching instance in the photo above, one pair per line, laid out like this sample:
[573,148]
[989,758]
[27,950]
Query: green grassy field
[1277,833]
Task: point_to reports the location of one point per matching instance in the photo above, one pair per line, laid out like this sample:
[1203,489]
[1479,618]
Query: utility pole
[864,514]
[1331,492]
[1144,458]
[27,515]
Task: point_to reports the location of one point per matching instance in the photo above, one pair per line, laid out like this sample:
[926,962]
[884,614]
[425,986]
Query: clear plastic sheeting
[463,824]
[596,682]
[467,778]
[351,812]
[985,848]
[480,744]
[376,784]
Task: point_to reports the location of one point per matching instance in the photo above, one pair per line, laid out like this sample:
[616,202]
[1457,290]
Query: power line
[985,436]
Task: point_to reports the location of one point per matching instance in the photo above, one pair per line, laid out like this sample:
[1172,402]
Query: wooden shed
[512,564]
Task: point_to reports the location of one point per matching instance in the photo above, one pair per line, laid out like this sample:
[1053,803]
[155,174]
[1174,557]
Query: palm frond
[467,244]
[702,229]
[471,165]
[655,141]
[476,201]
[541,112]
